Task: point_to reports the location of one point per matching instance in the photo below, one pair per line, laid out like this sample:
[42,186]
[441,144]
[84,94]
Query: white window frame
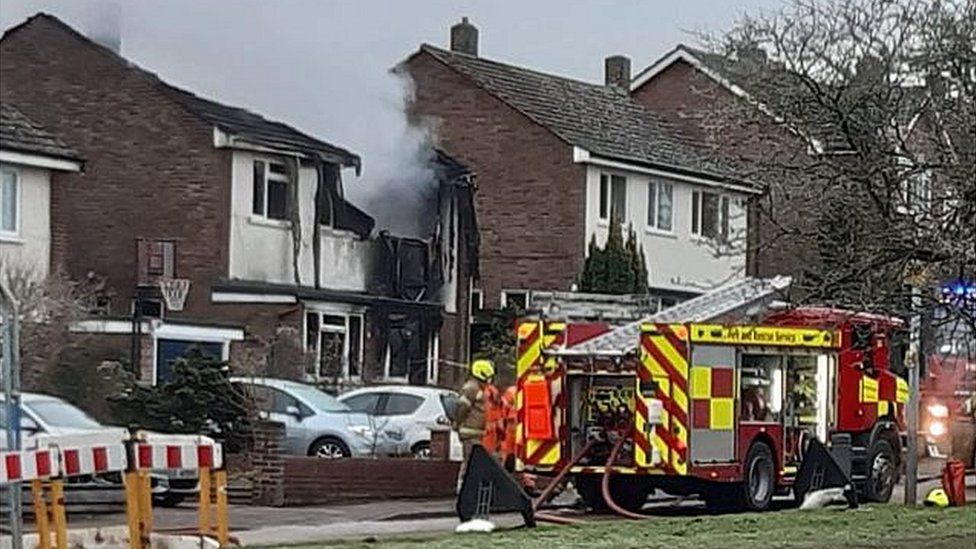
[724,229]
[654,189]
[606,179]
[476,296]
[506,293]
[334,328]
[433,357]
[18,204]
[270,176]
[386,368]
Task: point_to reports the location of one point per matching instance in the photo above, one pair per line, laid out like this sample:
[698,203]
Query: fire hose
[605,483]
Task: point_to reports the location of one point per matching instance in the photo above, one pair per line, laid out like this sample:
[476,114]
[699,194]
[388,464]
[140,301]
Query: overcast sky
[323,66]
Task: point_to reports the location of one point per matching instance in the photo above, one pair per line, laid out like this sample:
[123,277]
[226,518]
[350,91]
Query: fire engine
[947,395]
[722,411]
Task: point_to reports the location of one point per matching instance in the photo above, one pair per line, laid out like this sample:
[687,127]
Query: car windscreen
[317,399]
[61,414]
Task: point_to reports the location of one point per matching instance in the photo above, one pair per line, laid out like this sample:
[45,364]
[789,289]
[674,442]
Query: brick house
[285,276]
[30,160]
[556,156]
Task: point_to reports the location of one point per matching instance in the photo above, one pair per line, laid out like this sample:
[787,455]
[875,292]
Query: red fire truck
[724,411]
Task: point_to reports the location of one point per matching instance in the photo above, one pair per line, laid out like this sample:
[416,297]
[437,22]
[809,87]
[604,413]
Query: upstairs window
[613,197]
[9,202]
[336,343]
[270,191]
[660,213]
[710,215]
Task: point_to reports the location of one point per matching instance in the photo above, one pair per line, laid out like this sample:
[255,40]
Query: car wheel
[329,448]
[882,472]
[421,450]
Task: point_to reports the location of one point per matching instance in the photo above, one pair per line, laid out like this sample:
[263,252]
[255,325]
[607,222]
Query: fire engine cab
[724,411]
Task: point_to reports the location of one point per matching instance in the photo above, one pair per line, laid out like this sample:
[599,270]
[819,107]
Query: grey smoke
[324,66]
[103,23]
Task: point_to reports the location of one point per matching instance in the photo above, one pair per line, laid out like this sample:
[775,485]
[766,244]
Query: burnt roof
[601,119]
[238,122]
[20,133]
[448,167]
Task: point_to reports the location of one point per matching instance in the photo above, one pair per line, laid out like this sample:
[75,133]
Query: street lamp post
[11,391]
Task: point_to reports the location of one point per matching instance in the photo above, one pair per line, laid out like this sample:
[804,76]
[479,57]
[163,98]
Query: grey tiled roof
[236,121]
[601,119]
[717,303]
[19,133]
[254,127]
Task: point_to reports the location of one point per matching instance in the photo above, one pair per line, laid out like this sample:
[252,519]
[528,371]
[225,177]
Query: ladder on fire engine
[737,297]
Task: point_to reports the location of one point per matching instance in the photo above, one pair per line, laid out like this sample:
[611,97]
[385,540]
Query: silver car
[316,424]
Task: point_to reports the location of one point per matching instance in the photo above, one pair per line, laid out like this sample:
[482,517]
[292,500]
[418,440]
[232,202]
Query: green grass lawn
[871,526]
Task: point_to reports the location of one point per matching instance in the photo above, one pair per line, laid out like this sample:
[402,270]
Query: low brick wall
[311,481]
[279,480]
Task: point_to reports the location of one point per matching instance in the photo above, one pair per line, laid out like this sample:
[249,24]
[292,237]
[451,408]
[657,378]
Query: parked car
[44,417]
[316,423]
[410,410]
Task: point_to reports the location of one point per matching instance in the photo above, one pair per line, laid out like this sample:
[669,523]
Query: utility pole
[916,353]
[11,391]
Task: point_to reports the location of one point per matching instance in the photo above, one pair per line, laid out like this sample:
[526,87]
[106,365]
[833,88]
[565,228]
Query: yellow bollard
[145,506]
[204,505]
[40,515]
[132,513]
[223,534]
[57,509]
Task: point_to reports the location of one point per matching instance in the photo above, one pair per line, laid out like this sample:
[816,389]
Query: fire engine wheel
[627,492]
[882,472]
[755,492]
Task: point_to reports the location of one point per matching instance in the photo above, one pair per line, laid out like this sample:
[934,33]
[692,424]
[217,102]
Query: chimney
[464,38]
[616,71]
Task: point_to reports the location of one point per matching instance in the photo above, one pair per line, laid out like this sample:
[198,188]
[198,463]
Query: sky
[323,66]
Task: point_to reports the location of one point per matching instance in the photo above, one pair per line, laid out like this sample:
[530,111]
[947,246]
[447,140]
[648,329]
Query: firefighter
[478,399]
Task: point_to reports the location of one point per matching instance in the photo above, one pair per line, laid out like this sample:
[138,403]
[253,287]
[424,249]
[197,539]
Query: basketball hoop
[174,292]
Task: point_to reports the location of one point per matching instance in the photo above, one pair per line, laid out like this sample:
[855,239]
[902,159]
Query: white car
[44,418]
[410,410]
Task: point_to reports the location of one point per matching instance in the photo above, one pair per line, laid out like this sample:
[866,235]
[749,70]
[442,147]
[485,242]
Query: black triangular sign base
[488,488]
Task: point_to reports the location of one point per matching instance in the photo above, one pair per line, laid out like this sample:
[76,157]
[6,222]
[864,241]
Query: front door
[712,393]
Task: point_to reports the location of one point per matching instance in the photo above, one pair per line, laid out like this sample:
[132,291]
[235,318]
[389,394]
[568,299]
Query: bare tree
[859,118]
[48,308]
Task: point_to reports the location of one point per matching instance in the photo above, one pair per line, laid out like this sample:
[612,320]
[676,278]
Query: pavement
[364,521]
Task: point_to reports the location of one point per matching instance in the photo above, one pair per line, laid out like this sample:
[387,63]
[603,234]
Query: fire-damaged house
[211,227]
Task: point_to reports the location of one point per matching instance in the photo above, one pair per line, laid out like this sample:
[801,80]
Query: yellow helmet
[937,498]
[482,369]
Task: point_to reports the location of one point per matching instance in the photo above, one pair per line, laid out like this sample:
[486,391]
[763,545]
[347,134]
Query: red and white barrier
[178,452]
[27,465]
[92,460]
